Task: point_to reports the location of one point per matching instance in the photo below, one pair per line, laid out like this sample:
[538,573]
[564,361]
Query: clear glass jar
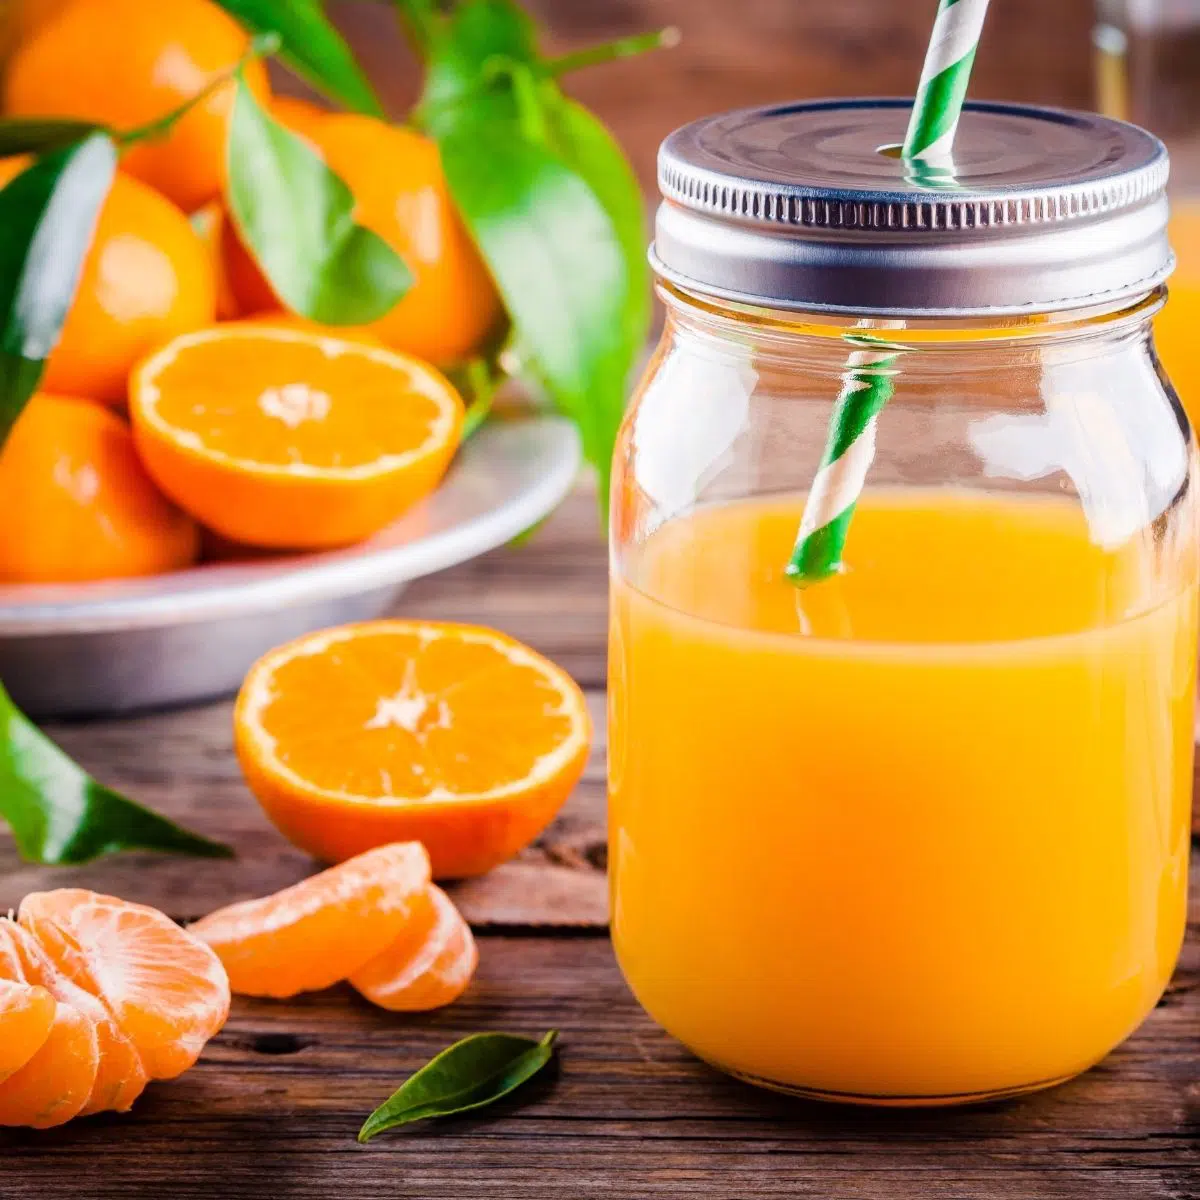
[1147,56]
[917,833]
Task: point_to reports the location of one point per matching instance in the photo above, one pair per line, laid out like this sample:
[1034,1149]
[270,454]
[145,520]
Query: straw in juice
[868,385]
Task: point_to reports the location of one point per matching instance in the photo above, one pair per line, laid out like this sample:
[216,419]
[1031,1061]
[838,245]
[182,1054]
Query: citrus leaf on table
[47,217]
[471,1074]
[59,815]
[38,135]
[312,47]
[297,218]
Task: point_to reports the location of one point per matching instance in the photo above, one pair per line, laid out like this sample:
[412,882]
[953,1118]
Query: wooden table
[272,1108]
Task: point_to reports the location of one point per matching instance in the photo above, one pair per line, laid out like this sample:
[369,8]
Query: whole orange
[77,502]
[126,62]
[20,19]
[396,177]
[147,277]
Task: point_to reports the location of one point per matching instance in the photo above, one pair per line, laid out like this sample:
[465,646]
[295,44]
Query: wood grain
[271,1112]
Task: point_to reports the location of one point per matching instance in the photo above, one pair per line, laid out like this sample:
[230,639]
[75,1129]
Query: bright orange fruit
[316,933]
[401,193]
[457,737]
[127,62]
[120,1074]
[26,1018]
[213,228]
[166,990]
[57,1081]
[78,503]
[146,278]
[426,968]
[290,438]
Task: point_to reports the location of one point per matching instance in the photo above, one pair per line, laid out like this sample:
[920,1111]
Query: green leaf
[312,47]
[561,265]
[39,135]
[296,216]
[471,1074]
[47,218]
[60,816]
[462,52]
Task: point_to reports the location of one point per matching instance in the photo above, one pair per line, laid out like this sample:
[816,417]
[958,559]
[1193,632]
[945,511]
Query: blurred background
[743,52]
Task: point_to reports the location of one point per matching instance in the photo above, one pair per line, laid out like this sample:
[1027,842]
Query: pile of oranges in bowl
[181,396]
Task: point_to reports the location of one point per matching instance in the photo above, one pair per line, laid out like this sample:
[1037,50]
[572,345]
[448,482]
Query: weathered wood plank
[272,1109]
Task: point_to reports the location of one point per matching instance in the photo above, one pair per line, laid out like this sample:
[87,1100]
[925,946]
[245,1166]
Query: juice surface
[1175,327]
[920,831]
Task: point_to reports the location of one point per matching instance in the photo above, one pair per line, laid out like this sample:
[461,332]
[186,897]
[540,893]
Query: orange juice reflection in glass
[917,833]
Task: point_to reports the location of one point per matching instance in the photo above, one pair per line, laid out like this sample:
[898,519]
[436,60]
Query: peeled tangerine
[98,997]
[376,920]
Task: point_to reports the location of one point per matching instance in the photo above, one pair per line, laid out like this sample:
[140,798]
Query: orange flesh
[318,932]
[921,830]
[26,1018]
[166,991]
[425,968]
[404,717]
[56,1083]
[282,403]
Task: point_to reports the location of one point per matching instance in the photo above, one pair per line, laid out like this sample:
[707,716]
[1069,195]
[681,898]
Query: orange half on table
[292,438]
[457,737]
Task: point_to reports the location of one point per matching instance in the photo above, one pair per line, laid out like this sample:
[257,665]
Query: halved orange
[314,934]
[457,737]
[416,974]
[292,438]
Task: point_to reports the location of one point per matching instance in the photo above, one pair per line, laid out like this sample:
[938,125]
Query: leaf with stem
[311,45]
[297,218]
[470,1075]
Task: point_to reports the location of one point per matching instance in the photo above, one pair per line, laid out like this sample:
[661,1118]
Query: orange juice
[1175,328]
[918,833]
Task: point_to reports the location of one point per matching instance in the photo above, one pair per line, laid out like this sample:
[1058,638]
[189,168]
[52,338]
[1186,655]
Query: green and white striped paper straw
[849,449]
[869,380]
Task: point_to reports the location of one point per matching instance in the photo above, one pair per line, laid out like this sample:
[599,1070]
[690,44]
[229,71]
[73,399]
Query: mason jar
[914,830]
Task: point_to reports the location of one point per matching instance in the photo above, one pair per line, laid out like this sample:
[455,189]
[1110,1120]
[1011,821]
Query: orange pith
[127,62]
[419,974]
[167,991]
[26,1018]
[458,737]
[78,503]
[316,933]
[291,438]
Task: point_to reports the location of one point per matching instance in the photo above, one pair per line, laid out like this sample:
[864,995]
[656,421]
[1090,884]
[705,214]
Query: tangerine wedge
[425,971]
[166,990]
[292,438]
[26,1018]
[56,1083]
[318,932]
[457,737]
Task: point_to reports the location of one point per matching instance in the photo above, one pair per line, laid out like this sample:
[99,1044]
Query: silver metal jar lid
[800,206]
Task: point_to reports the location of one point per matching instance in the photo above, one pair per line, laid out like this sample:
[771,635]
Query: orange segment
[165,989]
[26,1018]
[315,934]
[120,1076]
[433,972]
[292,438]
[57,1081]
[457,737]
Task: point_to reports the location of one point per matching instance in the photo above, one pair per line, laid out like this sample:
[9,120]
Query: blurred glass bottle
[1147,56]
